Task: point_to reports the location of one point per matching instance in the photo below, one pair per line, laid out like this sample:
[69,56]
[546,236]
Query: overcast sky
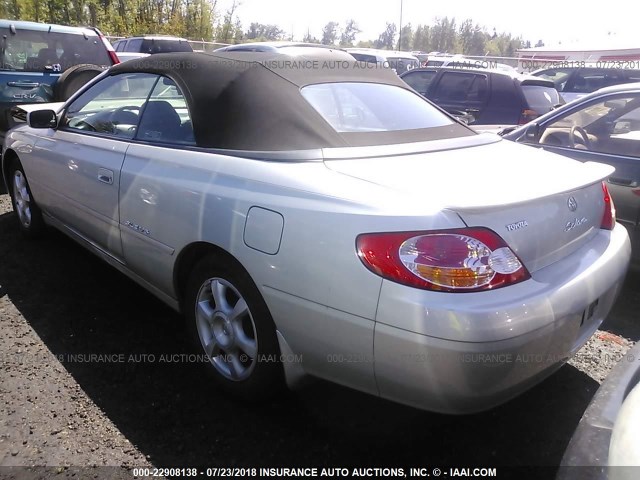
[549,20]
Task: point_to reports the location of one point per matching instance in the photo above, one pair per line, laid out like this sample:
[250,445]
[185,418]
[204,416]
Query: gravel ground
[46,419]
[58,304]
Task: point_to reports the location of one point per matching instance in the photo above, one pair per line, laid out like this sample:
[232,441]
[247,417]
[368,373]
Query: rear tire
[29,214]
[229,322]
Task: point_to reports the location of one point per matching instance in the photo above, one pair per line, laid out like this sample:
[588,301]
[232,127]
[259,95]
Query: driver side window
[609,126]
[112,106]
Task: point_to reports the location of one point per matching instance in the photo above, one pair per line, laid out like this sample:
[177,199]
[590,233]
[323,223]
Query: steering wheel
[581,134]
[125,113]
[82,125]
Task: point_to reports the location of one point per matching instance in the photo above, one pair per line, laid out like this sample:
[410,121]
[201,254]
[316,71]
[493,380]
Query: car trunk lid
[544,206]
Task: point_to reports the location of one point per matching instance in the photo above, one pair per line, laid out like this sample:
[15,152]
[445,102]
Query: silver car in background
[313,218]
[399,62]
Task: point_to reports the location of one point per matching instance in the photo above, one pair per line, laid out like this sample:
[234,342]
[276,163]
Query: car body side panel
[333,344]
[177,197]
[181,197]
[81,175]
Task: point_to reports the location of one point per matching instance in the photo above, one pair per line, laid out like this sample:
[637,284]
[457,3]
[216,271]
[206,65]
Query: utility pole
[400,36]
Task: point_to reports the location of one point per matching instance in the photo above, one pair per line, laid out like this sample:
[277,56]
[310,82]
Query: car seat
[160,122]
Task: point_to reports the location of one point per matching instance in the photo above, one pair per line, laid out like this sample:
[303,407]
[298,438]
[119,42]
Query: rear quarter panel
[321,296]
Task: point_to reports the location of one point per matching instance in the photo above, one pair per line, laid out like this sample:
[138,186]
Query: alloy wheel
[226,329]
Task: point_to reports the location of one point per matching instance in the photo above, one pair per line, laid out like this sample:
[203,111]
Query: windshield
[371,107]
[155,45]
[558,76]
[39,51]
[614,110]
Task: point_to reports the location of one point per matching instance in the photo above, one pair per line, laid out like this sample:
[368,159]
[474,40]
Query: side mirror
[531,133]
[42,119]
[616,103]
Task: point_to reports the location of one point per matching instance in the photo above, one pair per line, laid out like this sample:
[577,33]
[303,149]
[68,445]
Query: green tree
[471,39]
[330,33]
[365,44]
[405,41]
[348,35]
[421,39]
[504,45]
[260,32]
[387,39]
[443,35]
[308,38]
[226,30]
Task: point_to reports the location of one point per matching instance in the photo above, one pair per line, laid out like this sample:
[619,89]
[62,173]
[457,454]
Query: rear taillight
[112,53]
[527,115]
[114,57]
[460,260]
[609,215]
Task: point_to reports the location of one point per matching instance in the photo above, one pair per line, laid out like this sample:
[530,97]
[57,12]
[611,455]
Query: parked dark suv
[483,96]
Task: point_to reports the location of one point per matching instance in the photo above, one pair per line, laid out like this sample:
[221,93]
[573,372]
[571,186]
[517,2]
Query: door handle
[23,84]
[625,182]
[105,176]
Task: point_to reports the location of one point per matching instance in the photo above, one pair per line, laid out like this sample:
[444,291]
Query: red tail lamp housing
[455,260]
[609,216]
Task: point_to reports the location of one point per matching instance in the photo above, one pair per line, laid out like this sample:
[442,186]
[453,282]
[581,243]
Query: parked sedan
[601,127]
[327,222]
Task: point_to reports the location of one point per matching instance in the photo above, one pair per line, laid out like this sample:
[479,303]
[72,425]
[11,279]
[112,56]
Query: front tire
[29,214]
[229,322]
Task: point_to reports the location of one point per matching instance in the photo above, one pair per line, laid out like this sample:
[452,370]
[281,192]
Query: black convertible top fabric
[252,101]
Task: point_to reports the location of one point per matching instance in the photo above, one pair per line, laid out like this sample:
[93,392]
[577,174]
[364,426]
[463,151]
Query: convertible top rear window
[372,107]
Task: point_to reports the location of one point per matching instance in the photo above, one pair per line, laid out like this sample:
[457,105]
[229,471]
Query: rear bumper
[462,353]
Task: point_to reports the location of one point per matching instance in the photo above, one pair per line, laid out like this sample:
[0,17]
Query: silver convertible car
[314,217]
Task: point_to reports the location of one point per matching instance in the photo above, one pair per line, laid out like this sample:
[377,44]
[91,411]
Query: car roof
[257,102]
[382,53]
[619,88]
[602,66]
[155,37]
[522,78]
[24,25]
[272,46]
